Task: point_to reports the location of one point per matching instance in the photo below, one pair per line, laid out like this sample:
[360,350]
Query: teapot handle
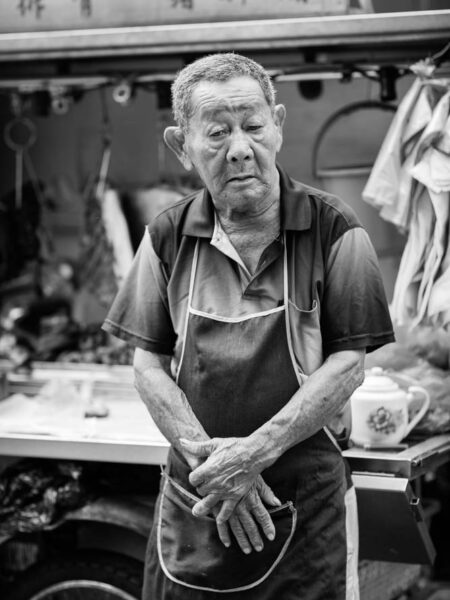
[426,403]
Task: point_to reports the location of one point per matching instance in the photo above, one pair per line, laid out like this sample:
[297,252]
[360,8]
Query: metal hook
[122,93]
[60,100]
[60,105]
[440,56]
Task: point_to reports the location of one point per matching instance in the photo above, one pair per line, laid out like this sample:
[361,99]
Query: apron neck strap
[301,377]
[285,273]
[193,274]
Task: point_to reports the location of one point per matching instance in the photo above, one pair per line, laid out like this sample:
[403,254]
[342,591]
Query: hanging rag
[433,171]
[410,185]
[411,268]
[387,187]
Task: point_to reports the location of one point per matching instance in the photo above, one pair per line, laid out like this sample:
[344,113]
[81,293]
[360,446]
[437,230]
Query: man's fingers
[224,534]
[197,476]
[203,489]
[239,534]
[261,515]
[250,527]
[200,449]
[266,494]
[222,529]
[205,505]
[226,510]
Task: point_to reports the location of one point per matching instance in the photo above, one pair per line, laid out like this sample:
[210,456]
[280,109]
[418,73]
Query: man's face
[232,141]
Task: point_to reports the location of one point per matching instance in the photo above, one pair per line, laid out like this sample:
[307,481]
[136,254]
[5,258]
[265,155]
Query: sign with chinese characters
[51,15]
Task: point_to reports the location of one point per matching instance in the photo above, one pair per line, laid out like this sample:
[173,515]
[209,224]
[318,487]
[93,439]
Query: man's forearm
[323,394]
[166,402]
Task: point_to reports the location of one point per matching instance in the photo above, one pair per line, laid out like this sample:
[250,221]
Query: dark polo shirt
[336,295]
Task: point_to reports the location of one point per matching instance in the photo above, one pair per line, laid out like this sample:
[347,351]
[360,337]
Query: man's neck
[256,224]
[253,234]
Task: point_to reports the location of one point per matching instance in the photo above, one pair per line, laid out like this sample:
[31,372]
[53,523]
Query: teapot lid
[377,381]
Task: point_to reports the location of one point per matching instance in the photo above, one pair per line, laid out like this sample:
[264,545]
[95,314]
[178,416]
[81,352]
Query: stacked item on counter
[410,185]
[59,408]
[44,328]
[45,331]
[91,402]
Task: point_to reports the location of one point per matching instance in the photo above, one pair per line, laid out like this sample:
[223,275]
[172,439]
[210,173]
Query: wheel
[93,576]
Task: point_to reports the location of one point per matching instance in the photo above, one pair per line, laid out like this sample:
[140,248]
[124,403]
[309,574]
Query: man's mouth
[240,177]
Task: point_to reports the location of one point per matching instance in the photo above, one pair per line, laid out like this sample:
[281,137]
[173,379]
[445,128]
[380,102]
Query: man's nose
[239,149]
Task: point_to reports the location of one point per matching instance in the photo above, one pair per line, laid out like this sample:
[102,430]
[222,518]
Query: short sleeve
[354,313]
[139,313]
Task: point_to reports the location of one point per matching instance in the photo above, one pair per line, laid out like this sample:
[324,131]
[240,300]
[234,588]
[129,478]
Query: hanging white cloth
[433,171]
[388,185]
[410,186]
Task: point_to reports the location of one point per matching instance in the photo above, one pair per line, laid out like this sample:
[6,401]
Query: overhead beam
[309,32]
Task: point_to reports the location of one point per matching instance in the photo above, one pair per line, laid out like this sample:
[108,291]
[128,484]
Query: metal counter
[126,435]
[414,461]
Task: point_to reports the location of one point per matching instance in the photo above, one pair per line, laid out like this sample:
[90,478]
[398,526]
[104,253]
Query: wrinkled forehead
[243,93]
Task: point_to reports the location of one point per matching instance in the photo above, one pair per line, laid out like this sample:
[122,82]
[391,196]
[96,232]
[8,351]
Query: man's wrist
[265,449]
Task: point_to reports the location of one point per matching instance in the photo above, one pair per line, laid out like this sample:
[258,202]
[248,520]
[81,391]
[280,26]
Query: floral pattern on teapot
[383,420]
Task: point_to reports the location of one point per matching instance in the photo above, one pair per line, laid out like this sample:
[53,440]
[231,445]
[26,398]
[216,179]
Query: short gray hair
[215,67]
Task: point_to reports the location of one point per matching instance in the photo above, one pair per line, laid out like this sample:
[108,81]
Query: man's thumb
[266,494]
[200,449]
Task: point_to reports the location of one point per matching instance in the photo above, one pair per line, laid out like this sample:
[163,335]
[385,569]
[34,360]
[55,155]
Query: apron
[237,373]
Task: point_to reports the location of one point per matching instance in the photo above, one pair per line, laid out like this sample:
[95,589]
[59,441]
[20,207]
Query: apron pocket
[191,553]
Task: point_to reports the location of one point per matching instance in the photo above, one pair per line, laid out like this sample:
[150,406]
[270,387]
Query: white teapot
[379,410]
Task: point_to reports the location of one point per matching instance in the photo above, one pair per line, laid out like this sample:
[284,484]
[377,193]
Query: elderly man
[251,305]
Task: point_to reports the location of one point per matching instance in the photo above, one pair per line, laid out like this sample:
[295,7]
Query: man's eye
[217,133]
[254,127]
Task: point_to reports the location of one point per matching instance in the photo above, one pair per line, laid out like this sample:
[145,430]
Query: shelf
[411,463]
[130,452]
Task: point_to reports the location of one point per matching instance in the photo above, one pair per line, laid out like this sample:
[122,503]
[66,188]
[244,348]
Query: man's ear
[279,118]
[175,140]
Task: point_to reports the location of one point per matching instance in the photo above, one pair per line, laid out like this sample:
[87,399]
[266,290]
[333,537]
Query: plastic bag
[35,494]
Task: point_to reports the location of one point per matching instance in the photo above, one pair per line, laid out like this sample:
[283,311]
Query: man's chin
[244,203]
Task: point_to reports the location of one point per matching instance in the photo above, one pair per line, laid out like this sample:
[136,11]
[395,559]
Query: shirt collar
[222,242]
[295,209]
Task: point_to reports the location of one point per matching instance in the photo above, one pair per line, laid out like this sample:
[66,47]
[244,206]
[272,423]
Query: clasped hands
[233,490]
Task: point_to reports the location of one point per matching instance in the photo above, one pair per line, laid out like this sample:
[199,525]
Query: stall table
[394,536]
